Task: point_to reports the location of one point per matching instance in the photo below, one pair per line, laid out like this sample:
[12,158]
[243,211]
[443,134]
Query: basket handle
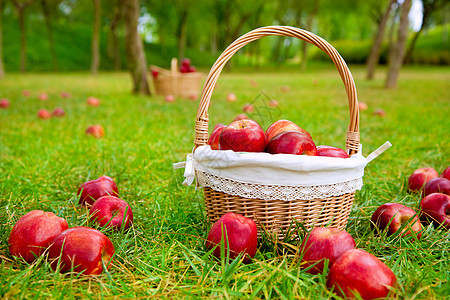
[201,123]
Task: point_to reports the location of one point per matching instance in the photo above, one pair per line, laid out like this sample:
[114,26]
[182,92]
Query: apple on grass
[330,151]
[33,232]
[237,233]
[59,112]
[248,108]
[393,216]
[43,97]
[240,117]
[379,112]
[65,94]
[419,177]
[213,139]
[44,114]
[242,136]
[435,209]
[363,106]
[280,126]
[357,272]
[26,93]
[96,131]
[81,249]
[91,190]
[231,97]
[324,243]
[111,212]
[92,101]
[273,103]
[169,98]
[292,142]
[437,185]
[4,103]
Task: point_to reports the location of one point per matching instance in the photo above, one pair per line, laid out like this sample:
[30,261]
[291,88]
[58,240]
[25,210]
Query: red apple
[26,93]
[315,82]
[59,112]
[253,83]
[362,106]
[248,108]
[186,62]
[191,69]
[155,73]
[331,151]
[169,98]
[96,131]
[44,114]
[240,117]
[112,212]
[393,216]
[285,89]
[240,233]
[446,173]
[379,112]
[81,249]
[273,103]
[4,103]
[359,272]
[43,97]
[213,139]
[65,95]
[91,190]
[92,101]
[292,142]
[231,97]
[324,243]
[419,177]
[436,208]
[242,136]
[33,232]
[437,185]
[281,126]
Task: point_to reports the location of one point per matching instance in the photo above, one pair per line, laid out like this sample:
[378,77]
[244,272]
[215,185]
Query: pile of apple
[80,249]
[352,271]
[282,136]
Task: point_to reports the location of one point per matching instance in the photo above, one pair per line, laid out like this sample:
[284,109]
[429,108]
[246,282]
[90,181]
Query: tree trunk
[374,56]
[398,53]
[48,24]
[181,33]
[113,47]
[308,27]
[20,6]
[2,69]
[134,48]
[95,63]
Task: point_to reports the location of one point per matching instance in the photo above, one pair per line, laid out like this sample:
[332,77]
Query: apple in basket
[446,173]
[331,151]
[238,233]
[91,190]
[419,177]
[437,185]
[281,126]
[436,209]
[213,139]
[292,142]
[324,243]
[357,272]
[242,136]
[394,216]
[33,233]
[111,212]
[81,249]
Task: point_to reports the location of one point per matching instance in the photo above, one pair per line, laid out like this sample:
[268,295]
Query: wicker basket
[276,216]
[173,82]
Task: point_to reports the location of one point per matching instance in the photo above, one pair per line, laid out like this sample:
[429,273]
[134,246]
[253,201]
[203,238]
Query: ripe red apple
[379,112]
[92,101]
[231,97]
[91,190]
[26,93]
[96,131]
[59,112]
[81,249]
[292,142]
[43,97]
[213,139]
[436,209]
[155,73]
[33,232]
[393,216]
[362,106]
[280,126]
[437,185]
[419,177]
[446,173]
[169,98]
[324,243]
[65,95]
[240,117]
[240,232]
[242,136]
[331,151]
[248,108]
[359,272]
[4,103]
[273,103]
[44,114]
[112,212]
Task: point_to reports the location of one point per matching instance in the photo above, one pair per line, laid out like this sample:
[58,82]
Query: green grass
[42,163]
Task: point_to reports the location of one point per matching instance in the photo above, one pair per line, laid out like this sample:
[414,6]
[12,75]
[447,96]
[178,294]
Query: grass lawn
[42,163]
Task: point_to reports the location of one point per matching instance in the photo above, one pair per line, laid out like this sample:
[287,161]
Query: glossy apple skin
[359,272]
[33,232]
[394,215]
[96,131]
[242,236]
[437,185]
[59,112]
[243,136]
[83,248]
[292,142]
[331,151]
[91,190]
[92,101]
[419,177]
[108,208]
[4,103]
[436,209]
[324,243]
[44,114]
[281,126]
[213,139]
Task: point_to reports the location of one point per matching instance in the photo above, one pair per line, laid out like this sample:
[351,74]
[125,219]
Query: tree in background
[20,8]
[95,64]
[49,7]
[134,48]
[2,69]
[397,54]
[113,37]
